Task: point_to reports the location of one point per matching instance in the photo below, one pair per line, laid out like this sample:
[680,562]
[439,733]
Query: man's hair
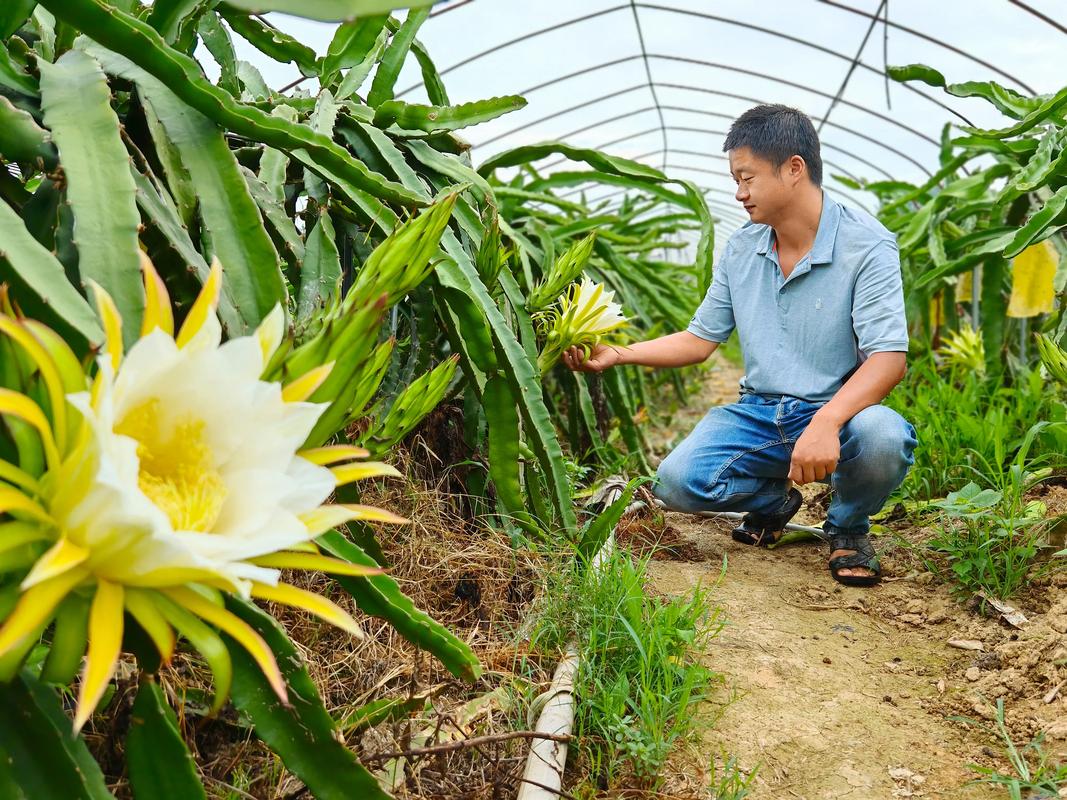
[777,133]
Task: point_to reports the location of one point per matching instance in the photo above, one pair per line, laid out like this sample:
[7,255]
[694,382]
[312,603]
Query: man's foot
[853,561]
[765,529]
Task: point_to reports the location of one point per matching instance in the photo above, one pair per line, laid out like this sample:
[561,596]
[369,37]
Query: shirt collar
[822,251]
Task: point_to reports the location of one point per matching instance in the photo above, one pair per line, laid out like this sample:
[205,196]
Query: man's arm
[673,350]
[881,330]
[818,448]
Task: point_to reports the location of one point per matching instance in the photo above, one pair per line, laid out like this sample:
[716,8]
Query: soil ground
[836,692]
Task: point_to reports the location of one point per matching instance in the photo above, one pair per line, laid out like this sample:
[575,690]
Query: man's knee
[883,442]
[676,485]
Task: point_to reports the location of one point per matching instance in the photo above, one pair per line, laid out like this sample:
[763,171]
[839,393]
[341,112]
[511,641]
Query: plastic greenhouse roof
[660,82]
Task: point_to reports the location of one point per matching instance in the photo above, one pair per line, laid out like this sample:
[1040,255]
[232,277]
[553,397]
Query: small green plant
[1036,776]
[967,422]
[638,677]
[992,535]
[991,539]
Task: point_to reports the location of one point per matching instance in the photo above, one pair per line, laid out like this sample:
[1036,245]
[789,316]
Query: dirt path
[839,692]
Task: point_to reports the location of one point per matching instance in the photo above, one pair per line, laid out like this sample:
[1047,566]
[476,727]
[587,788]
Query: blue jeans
[737,459]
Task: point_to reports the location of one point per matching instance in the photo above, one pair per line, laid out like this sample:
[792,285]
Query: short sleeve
[714,318]
[878,303]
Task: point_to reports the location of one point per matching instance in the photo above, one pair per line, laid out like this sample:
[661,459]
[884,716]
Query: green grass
[1034,775]
[972,427]
[639,678]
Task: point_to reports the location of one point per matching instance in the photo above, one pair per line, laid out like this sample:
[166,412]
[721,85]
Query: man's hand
[601,358]
[816,452]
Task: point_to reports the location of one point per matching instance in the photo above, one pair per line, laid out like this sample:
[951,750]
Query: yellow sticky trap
[1032,276]
[936,312]
[964,287]
[157,312]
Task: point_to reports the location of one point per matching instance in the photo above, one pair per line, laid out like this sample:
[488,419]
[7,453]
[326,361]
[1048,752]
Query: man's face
[763,190]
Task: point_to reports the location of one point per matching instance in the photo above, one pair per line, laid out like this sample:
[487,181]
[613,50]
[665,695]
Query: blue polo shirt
[804,336]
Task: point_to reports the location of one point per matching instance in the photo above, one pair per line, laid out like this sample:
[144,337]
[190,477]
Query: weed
[1036,776]
[638,678]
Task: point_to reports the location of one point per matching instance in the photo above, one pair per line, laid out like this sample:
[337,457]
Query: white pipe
[543,777]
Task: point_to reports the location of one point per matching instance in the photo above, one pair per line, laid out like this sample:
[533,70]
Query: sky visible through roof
[588,80]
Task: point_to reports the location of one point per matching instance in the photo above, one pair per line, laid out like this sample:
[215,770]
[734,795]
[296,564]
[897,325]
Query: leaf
[160,765]
[329,10]
[502,420]
[40,756]
[459,273]
[77,108]
[218,42]
[394,56]
[302,734]
[415,117]
[380,596]
[351,44]
[45,276]
[594,158]
[431,78]
[358,73]
[917,72]
[1006,100]
[1047,109]
[597,532]
[270,41]
[168,15]
[253,279]
[13,14]
[22,139]
[142,45]
[320,274]
[1040,226]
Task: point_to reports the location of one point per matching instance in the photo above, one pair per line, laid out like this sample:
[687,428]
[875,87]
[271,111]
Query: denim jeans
[737,459]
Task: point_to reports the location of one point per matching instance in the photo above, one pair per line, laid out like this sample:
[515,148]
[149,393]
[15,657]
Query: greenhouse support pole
[976,298]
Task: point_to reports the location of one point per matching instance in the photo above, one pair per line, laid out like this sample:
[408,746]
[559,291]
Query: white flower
[177,475]
[581,316]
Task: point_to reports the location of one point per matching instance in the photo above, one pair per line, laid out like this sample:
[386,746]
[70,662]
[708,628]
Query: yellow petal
[325,518]
[62,556]
[270,332]
[21,406]
[35,607]
[157,310]
[12,500]
[150,618]
[49,370]
[309,601]
[105,642]
[205,304]
[331,454]
[334,566]
[112,320]
[347,473]
[238,629]
[304,386]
